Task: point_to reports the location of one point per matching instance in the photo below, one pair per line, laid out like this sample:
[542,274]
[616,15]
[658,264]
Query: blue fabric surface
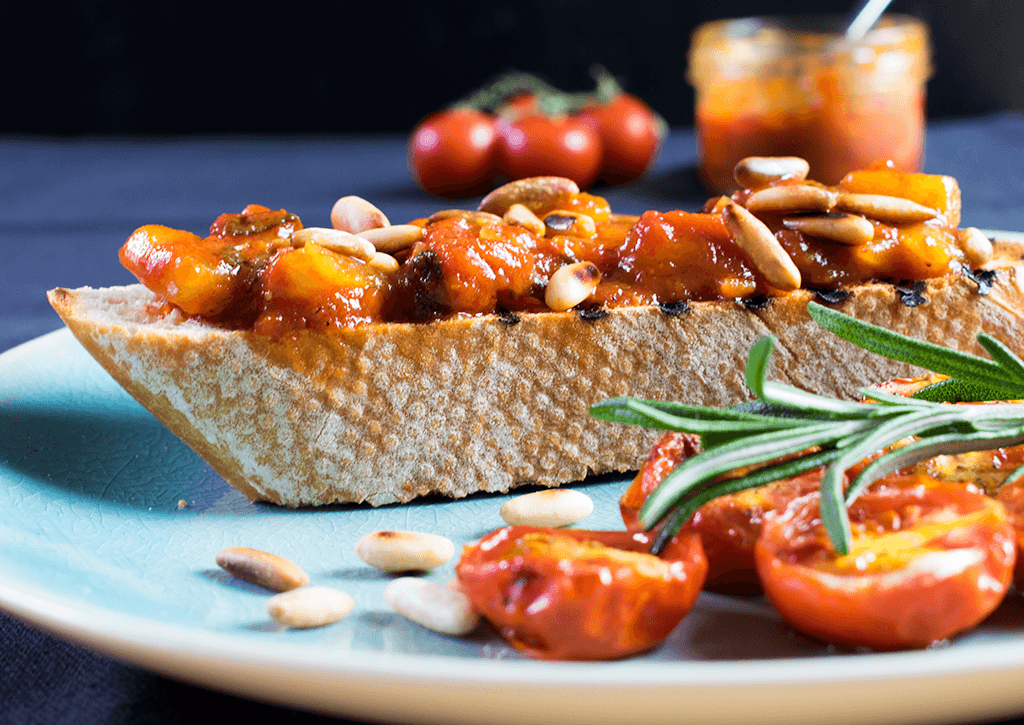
[68,205]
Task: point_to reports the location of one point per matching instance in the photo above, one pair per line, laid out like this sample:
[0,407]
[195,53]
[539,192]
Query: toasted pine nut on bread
[385,413]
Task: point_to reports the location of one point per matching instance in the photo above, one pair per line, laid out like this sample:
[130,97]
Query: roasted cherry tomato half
[538,145]
[729,525]
[565,594]
[631,135]
[928,560]
[452,153]
[670,450]
[1011,495]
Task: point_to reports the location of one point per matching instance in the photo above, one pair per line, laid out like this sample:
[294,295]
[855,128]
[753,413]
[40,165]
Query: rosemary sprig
[813,430]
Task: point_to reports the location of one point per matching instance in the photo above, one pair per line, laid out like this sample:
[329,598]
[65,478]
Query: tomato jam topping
[262,270]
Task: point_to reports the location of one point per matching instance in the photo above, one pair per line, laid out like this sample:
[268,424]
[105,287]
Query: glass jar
[793,86]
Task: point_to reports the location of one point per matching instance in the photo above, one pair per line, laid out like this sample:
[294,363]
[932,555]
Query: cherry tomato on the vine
[575,594]
[928,560]
[518,105]
[631,135]
[538,145]
[452,153]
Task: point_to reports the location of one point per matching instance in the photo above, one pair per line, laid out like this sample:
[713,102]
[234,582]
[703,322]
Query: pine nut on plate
[432,605]
[309,607]
[554,507]
[259,567]
[398,551]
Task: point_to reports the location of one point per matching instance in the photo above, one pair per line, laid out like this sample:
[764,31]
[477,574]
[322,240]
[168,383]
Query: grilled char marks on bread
[386,413]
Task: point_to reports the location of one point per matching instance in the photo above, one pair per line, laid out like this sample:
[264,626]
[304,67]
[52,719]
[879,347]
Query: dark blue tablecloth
[66,206]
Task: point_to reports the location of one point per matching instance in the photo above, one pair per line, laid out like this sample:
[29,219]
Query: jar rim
[769,44]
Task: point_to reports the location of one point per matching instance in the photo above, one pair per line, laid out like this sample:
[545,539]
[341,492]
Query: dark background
[116,67]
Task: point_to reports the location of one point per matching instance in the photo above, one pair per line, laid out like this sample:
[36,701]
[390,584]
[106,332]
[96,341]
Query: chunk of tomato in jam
[482,265]
[907,251]
[313,288]
[934,191]
[183,269]
[677,255]
[214,276]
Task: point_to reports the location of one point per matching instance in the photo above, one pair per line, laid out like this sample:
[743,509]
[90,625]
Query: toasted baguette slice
[385,413]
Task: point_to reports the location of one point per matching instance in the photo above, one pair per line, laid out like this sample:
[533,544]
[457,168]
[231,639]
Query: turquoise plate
[99,551]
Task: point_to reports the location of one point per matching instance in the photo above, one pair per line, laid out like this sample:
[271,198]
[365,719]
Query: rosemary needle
[815,430]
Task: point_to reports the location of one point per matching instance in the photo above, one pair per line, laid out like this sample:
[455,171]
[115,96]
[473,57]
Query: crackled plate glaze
[98,549]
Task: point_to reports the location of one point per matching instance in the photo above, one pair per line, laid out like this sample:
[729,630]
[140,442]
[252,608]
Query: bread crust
[386,413]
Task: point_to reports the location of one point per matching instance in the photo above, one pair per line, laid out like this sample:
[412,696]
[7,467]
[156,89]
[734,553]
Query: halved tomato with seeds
[928,560]
[728,525]
[669,450]
[1011,496]
[584,595]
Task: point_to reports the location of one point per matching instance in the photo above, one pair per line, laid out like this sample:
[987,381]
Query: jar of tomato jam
[794,86]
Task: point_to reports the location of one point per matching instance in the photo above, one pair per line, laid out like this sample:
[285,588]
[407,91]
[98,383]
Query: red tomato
[928,560]
[631,135]
[451,153]
[730,525]
[536,145]
[669,450]
[518,105]
[587,595]
[1011,495]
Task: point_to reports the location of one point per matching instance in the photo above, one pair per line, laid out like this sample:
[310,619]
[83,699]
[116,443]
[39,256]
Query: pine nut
[715,204]
[335,240]
[536,193]
[554,507]
[397,551]
[977,247]
[792,197]
[884,208]
[754,172]
[570,222]
[355,214]
[259,567]
[383,262]
[479,217]
[764,250]
[571,285]
[394,238]
[521,216]
[309,607]
[432,605]
[840,227]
